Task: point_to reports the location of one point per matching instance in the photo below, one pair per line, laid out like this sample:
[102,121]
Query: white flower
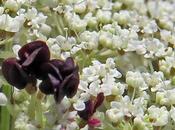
[89,40]
[75,49]
[45,29]
[75,22]
[155,48]
[118,89]
[79,105]
[91,21]
[166,23]
[31,13]
[56,49]
[110,63]
[15,49]
[72,126]
[151,27]
[163,85]
[123,17]
[107,85]
[1,10]
[89,74]
[105,39]
[94,87]
[165,35]
[140,105]
[136,45]
[80,7]
[10,24]
[22,121]
[65,44]
[172,113]
[65,55]
[12,5]
[154,78]
[117,5]
[104,16]
[119,109]
[166,97]
[141,124]
[158,115]
[114,115]
[135,80]
[3,99]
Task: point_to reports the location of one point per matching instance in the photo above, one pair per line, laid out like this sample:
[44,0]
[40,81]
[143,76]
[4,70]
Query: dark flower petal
[71,83]
[28,49]
[59,95]
[29,60]
[91,106]
[69,66]
[58,63]
[49,85]
[99,100]
[14,73]
[50,68]
[33,55]
[88,111]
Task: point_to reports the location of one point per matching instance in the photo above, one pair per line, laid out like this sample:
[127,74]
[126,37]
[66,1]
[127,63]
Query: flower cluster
[58,77]
[125,78]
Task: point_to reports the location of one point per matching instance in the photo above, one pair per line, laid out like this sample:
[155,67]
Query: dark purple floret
[88,111]
[29,48]
[91,106]
[58,77]
[49,67]
[33,55]
[71,83]
[66,73]
[14,73]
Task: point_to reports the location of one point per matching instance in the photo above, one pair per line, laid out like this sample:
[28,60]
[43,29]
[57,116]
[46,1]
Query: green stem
[32,107]
[59,25]
[5,115]
[39,114]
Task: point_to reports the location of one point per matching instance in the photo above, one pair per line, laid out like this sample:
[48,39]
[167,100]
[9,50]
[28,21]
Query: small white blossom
[135,80]
[89,40]
[104,16]
[80,7]
[15,49]
[79,105]
[119,109]
[12,5]
[122,17]
[1,10]
[3,99]
[158,115]
[172,113]
[91,20]
[151,27]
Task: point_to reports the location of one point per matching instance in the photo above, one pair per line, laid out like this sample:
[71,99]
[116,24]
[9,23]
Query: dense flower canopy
[87,64]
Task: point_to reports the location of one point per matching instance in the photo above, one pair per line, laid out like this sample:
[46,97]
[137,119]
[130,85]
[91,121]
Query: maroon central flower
[60,78]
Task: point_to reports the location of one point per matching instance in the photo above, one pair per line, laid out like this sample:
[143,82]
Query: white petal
[79,106]
[3,99]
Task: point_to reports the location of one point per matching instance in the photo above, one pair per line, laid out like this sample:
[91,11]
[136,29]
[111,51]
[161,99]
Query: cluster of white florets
[124,48]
